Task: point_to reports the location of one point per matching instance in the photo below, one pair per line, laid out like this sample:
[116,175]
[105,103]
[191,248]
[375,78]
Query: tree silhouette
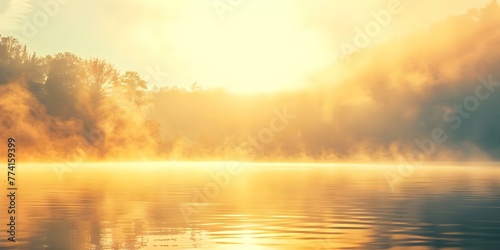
[63,84]
[134,88]
[100,76]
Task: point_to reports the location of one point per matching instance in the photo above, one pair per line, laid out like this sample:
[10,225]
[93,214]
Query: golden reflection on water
[265,206]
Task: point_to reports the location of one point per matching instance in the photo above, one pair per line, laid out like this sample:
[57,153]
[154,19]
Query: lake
[222,205]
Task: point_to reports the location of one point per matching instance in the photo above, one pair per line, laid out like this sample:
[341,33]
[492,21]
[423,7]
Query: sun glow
[262,48]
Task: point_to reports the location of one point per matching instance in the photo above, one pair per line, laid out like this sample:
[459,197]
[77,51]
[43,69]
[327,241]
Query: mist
[433,93]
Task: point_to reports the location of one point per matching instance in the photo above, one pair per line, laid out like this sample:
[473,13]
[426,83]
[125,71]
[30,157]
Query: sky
[244,46]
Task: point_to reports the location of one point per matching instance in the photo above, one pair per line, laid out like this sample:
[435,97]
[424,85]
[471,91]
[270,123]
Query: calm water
[265,206]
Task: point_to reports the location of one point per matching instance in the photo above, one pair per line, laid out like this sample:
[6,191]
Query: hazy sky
[242,45]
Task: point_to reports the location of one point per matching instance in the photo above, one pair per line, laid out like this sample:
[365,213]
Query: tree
[35,69]
[134,88]
[63,84]
[12,55]
[17,64]
[100,77]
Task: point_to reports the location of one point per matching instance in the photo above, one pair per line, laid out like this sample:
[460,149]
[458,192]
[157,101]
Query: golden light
[258,46]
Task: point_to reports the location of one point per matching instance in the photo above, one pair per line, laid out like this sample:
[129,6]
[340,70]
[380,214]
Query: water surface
[264,206]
